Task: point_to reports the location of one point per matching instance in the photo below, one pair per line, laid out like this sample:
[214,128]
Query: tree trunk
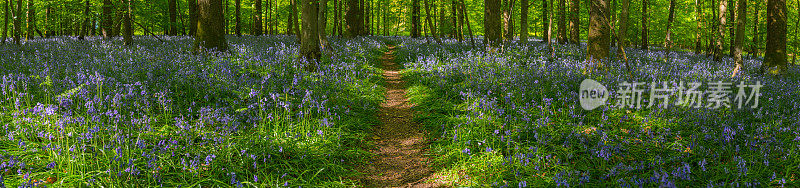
[545,13]
[508,20]
[431,26]
[731,25]
[523,21]
[698,12]
[775,54]
[309,47]
[17,22]
[108,21]
[31,21]
[723,7]
[599,32]
[623,23]
[415,18]
[755,45]
[645,42]
[173,18]
[210,33]
[670,19]
[741,22]
[466,20]
[575,22]
[796,26]
[562,21]
[491,23]
[354,18]
[85,27]
[127,30]
[5,23]
[238,13]
[322,23]
[257,26]
[192,17]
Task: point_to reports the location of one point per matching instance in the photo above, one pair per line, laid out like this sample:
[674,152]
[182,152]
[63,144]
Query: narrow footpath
[399,156]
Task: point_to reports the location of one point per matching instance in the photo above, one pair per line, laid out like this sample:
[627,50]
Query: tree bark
[491,23]
[17,22]
[173,18]
[523,21]
[562,22]
[741,22]
[127,30]
[670,19]
[85,26]
[698,11]
[210,33]
[322,23]
[623,23]
[575,22]
[354,18]
[508,20]
[775,54]
[545,13]
[5,23]
[756,36]
[431,26]
[645,42]
[414,18]
[599,32]
[108,21]
[257,26]
[31,21]
[309,47]
[238,13]
[723,7]
[192,17]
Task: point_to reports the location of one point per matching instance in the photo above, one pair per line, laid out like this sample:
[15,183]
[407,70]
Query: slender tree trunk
[731,25]
[775,54]
[238,13]
[192,17]
[575,22]
[466,20]
[47,22]
[257,26]
[17,22]
[796,26]
[523,21]
[322,23]
[623,23]
[108,22]
[173,18]
[431,26]
[31,21]
[491,23]
[85,28]
[562,21]
[545,13]
[741,22]
[723,7]
[755,45]
[309,46]
[414,18]
[508,20]
[599,32]
[210,35]
[645,42]
[670,19]
[127,31]
[698,11]
[5,23]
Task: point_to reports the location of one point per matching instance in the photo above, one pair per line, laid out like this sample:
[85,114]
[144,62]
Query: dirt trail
[399,159]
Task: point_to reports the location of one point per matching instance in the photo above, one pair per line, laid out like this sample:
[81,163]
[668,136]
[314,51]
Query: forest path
[400,145]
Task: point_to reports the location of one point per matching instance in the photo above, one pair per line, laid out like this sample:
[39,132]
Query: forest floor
[400,158]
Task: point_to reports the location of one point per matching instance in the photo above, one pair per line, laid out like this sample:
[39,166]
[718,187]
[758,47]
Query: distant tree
[741,22]
[545,17]
[645,42]
[599,32]
[210,33]
[523,22]
[623,23]
[491,22]
[5,23]
[698,11]
[257,25]
[108,21]
[723,7]
[31,21]
[238,13]
[127,26]
[354,18]
[17,22]
[754,45]
[85,26]
[192,17]
[562,22]
[670,19]
[731,25]
[575,22]
[173,18]
[775,54]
